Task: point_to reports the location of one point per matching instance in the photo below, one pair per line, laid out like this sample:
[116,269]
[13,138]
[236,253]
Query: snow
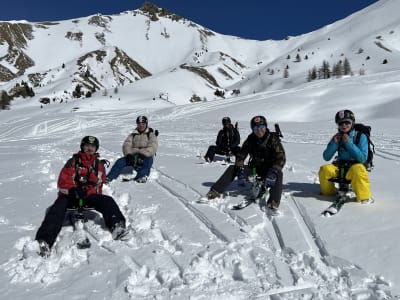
[181,249]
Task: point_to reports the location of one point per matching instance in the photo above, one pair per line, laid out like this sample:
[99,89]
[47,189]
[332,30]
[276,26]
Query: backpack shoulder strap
[148,132]
[77,161]
[94,167]
[272,136]
[357,137]
[152,130]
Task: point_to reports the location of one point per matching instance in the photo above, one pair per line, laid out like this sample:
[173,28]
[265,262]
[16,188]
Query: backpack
[361,128]
[94,167]
[148,132]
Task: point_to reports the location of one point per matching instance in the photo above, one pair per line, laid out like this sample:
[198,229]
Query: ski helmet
[141,119]
[226,121]
[257,121]
[92,140]
[344,115]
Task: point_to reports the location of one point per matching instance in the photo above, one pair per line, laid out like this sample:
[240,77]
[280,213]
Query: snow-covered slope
[151,45]
[181,249]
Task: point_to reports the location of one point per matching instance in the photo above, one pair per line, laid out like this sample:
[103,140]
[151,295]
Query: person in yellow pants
[356,155]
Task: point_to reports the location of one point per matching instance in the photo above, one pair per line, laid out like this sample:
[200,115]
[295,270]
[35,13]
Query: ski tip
[236,207]
[242,204]
[327,214]
[203,200]
[273,212]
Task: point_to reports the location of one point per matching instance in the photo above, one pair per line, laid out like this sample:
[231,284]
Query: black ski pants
[55,216]
[275,193]
[212,150]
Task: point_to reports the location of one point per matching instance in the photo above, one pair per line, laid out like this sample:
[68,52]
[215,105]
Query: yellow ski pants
[357,174]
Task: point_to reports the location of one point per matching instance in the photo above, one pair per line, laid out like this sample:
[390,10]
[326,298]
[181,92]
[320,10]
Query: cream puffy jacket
[144,143]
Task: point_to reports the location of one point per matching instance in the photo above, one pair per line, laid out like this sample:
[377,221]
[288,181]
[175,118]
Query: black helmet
[344,115]
[141,119]
[90,140]
[226,120]
[257,121]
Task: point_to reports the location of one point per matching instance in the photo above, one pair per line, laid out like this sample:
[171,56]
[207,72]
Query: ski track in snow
[245,249]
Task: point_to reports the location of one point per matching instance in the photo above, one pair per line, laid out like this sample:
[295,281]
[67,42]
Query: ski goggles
[255,128]
[344,123]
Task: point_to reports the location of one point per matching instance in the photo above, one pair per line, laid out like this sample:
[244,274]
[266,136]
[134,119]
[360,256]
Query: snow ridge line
[388,155]
[186,186]
[308,229]
[197,213]
[278,232]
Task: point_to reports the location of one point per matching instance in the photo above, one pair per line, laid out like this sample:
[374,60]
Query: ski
[203,200]
[259,194]
[140,180]
[272,212]
[127,179]
[242,204]
[80,236]
[223,162]
[335,207]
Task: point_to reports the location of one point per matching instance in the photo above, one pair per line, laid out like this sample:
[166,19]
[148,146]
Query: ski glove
[239,164]
[77,193]
[270,179]
[134,160]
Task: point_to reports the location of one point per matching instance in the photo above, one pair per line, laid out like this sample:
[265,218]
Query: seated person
[228,140]
[267,159]
[81,179]
[139,149]
[350,153]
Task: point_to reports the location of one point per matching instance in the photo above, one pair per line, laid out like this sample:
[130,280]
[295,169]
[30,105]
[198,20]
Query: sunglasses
[344,123]
[255,128]
[141,123]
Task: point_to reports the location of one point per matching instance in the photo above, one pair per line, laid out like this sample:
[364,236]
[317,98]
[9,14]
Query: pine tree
[286,73]
[325,72]
[346,67]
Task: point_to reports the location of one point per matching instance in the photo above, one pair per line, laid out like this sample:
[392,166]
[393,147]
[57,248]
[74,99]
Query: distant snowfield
[181,249]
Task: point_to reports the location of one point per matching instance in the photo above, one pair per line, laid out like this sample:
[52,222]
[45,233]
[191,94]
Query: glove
[77,193]
[132,159]
[239,164]
[270,179]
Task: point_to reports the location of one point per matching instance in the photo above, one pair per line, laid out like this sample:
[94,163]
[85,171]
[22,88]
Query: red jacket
[80,170]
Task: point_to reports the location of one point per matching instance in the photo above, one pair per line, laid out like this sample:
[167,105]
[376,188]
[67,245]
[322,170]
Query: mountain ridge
[152,42]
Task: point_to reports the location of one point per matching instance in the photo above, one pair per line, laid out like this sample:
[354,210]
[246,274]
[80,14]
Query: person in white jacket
[139,149]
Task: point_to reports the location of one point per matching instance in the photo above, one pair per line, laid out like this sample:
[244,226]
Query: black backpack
[156,132]
[361,128]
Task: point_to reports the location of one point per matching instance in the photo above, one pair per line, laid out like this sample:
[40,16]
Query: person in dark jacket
[227,143]
[81,178]
[267,159]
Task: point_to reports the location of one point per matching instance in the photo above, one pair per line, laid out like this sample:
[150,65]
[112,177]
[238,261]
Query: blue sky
[253,19]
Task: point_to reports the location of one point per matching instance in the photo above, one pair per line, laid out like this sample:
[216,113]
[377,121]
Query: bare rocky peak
[153,11]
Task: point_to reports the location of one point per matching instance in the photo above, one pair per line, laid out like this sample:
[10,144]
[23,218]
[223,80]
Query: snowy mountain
[181,249]
[145,48]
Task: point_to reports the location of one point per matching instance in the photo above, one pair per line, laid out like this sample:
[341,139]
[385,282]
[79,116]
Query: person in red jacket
[81,178]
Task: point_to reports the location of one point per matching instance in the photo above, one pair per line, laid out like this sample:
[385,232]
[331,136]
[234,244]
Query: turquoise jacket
[348,151]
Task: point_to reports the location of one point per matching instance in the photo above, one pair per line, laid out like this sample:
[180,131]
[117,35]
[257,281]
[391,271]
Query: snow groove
[307,228]
[197,213]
